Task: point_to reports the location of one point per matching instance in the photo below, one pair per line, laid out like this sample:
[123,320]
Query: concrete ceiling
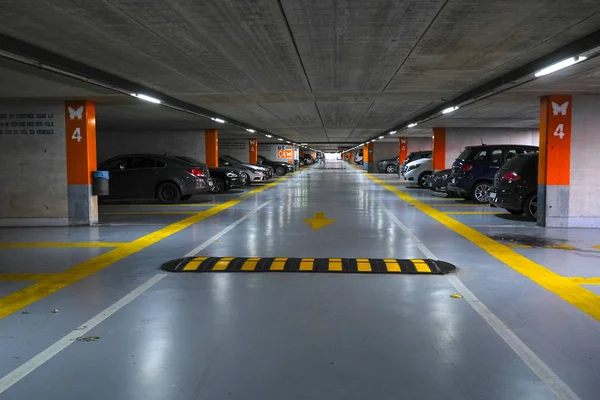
[312,71]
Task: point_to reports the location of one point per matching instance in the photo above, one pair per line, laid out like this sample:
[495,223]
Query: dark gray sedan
[146,176]
[388,165]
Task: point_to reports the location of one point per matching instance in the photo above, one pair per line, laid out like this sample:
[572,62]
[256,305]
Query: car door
[143,176]
[118,185]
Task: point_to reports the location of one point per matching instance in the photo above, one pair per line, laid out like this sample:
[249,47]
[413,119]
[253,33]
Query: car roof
[502,146]
[420,160]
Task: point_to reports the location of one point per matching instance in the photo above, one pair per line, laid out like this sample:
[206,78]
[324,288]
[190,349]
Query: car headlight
[231,174]
[411,167]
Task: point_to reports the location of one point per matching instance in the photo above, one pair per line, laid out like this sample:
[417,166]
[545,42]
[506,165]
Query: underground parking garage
[265,200]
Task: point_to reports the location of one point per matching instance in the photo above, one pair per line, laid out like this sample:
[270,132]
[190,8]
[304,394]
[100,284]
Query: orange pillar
[211,140]
[402,149]
[80,128]
[350,156]
[253,148]
[439,149]
[554,169]
[368,164]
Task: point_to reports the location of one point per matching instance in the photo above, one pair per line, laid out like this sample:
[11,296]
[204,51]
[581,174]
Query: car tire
[424,179]
[186,197]
[390,169]
[481,192]
[515,212]
[219,185]
[530,207]
[168,193]
[248,181]
[280,171]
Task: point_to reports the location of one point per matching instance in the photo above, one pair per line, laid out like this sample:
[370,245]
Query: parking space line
[26,245]
[585,281]
[474,212]
[563,287]
[24,297]
[458,205]
[24,276]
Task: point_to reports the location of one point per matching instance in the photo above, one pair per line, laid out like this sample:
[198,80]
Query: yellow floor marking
[561,286]
[458,205]
[560,246]
[335,264]
[307,264]
[162,205]
[435,198]
[363,265]
[421,266]
[278,264]
[60,244]
[250,264]
[597,247]
[580,280]
[222,264]
[24,277]
[392,266]
[148,212]
[318,221]
[22,298]
[194,264]
[475,212]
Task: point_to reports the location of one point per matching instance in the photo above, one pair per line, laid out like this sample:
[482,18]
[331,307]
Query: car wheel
[280,171]
[424,179]
[248,181]
[390,169]
[219,185]
[515,212]
[168,193]
[481,192]
[531,207]
[186,197]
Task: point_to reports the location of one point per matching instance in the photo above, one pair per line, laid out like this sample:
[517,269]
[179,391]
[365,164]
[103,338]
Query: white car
[419,171]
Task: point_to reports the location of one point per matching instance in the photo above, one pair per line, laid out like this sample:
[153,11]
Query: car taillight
[511,176]
[197,172]
[466,167]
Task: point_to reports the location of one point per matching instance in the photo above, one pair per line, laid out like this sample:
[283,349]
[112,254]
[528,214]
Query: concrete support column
[80,128]
[402,149]
[253,151]
[211,141]
[368,157]
[438,147]
[554,171]
[350,156]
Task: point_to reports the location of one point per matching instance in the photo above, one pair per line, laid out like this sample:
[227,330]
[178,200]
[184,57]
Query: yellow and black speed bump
[352,265]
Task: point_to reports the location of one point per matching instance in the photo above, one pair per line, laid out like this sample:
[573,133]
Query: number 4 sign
[560,132]
[77,134]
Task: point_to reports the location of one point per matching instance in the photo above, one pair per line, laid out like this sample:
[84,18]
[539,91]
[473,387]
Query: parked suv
[515,186]
[473,171]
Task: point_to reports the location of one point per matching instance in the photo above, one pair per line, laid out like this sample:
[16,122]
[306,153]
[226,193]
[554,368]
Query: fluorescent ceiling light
[268,136]
[218,120]
[280,139]
[559,65]
[392,132]
[412,125]
[147,98]
[380,137]
[373,140]
[251,130]
[449,109]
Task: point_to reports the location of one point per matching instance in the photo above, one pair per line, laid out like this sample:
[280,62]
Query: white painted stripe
[210,241]
[539,367]
[25,369]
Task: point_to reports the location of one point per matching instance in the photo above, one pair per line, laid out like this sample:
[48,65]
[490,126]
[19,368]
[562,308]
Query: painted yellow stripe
[307,264]
[475,212]
[561,286]
[222,264]
[149,212]
[161,205]
[194,264]
[335,264]
[250,264]
[580,280]
[459,205]
[278,264]
[421,266]
[24,277]
[392,266]
[22,298]
[363,265]
[60,244]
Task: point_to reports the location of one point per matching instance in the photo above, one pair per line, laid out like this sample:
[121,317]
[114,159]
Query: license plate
[492,195]
[210,183]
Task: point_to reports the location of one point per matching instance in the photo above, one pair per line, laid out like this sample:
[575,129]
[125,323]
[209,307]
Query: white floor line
[207,243]
[28,367]
[539,367]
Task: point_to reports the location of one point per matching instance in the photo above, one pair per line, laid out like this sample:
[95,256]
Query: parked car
[281,168]
[473,171]
[254,173]
[419,171]
[388,165]
[415,155]
[143,176]
[439,181]
[224,178]
[359,158]
[515,186]
[308,160]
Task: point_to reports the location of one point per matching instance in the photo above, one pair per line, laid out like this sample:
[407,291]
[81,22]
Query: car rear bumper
[507,199]
[200,185]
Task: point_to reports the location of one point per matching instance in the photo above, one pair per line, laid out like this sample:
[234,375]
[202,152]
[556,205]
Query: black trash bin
[100,183]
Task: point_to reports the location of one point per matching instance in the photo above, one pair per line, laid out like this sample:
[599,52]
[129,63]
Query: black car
[224,178]
[474,170]
[438,182]
[515,186]
[280,168]
[389,165]
[146,176]
[414,156]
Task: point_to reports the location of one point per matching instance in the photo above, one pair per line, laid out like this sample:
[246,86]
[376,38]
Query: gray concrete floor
[301,336]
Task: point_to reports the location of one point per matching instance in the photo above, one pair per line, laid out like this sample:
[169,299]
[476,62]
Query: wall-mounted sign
[12,124]
[285,151]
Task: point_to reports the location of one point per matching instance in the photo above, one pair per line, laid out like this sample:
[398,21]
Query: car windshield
[464,154]
[232,159]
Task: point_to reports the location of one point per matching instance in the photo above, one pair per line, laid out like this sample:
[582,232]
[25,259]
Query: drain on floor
[530,241]
[348,265]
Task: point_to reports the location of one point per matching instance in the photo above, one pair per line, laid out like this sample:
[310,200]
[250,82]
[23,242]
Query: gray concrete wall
[458,138]
[184,143]
[385,150]
[33,164]
[584,190]
[239,149]
[419,143]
